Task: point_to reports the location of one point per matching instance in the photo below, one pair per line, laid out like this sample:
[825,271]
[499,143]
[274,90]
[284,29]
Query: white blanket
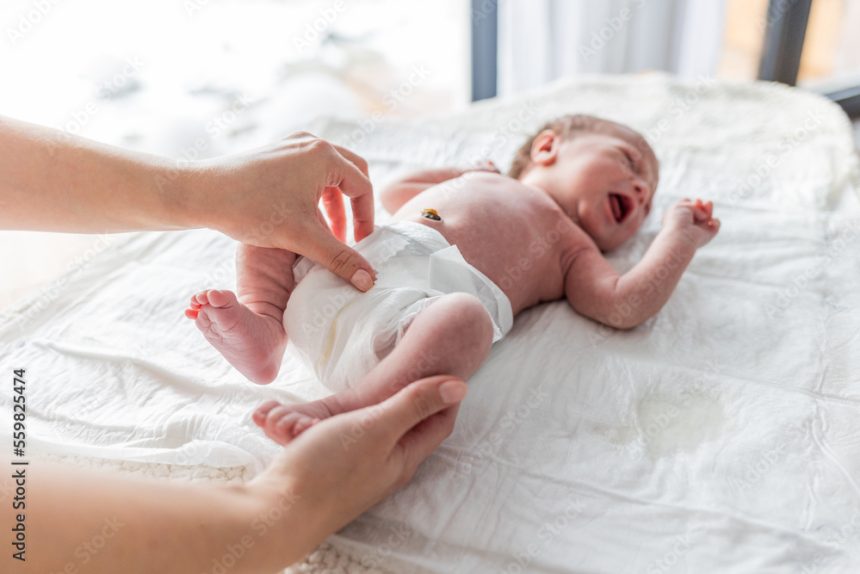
[722,435]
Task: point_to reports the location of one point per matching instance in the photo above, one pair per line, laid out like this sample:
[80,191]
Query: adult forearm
[55,181]
[644,290]
[77,521]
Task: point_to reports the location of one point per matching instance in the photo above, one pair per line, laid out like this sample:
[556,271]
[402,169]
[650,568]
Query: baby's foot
[251,342]
[283,423]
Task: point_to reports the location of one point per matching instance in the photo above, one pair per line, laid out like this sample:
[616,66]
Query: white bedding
[723,435]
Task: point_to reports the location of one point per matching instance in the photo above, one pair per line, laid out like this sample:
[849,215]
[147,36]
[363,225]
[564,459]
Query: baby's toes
[303,424]
[202,320]
[273,417]
[224,319]
[219,299]
[261,412]
[285,429]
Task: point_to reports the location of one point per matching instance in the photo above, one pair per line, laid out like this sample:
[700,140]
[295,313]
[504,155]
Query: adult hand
[271,198]
[343,465]
[54,181]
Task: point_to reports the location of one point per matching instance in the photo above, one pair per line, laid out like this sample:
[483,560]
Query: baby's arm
[596,290]
[405,188]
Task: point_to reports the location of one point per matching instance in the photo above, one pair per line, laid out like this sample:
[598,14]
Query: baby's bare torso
[514,234]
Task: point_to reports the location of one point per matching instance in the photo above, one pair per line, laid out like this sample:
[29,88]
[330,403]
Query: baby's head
[601,173]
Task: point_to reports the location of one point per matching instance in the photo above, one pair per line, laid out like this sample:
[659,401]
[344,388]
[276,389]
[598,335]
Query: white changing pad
[721,436]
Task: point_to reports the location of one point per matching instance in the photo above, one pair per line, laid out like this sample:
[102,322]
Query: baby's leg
[451,336]
[248,329]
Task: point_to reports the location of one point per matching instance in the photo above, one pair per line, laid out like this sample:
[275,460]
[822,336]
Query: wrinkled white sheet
[723,435]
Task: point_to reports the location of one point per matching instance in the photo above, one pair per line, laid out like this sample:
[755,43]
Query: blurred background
[192,79]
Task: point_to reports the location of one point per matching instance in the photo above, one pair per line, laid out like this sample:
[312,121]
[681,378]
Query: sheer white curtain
[541,40]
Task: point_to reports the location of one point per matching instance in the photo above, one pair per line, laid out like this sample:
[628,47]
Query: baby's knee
[468,317]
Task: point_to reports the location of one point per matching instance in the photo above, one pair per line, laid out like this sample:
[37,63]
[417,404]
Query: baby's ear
[545,148]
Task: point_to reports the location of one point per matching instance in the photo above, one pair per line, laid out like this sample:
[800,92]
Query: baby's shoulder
[576,241]
[499,186]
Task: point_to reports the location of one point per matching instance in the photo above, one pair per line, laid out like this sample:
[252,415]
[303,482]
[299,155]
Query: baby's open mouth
[621,205]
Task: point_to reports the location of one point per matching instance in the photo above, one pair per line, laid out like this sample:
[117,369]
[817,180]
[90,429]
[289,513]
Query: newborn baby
[467,251]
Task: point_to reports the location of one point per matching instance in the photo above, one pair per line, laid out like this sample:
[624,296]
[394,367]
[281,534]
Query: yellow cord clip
[431,214]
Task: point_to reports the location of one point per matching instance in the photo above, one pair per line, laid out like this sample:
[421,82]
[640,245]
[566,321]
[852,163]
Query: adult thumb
[324,248]
[420,400]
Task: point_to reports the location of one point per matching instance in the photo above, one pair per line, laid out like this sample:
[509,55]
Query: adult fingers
[322,247]
[362,216]
[332,201]
[349,177]
[361,198]
[425,437]
[355,185]
[418,401]
[353,157]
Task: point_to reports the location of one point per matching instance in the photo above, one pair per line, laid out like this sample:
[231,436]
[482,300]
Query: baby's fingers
[700,214]
[487,165]
[712,225]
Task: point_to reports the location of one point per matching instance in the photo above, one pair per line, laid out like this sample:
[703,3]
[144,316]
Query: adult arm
[80,521]
[53,181]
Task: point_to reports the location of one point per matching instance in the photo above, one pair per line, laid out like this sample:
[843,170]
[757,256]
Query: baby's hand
[693,220]
[486,165]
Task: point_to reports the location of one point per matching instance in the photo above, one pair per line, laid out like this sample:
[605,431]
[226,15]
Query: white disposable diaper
[342,333]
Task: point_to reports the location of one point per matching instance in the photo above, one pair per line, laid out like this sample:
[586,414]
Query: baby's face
[603,181]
